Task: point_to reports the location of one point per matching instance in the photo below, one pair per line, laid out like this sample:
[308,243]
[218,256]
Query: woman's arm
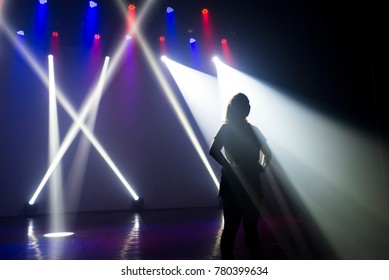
[267,154]
[216,152]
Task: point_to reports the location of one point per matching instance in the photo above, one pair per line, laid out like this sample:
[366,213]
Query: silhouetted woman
[246,154]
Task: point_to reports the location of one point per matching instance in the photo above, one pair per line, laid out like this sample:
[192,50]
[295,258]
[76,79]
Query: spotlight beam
[78,123]
[73,131]
[114,62]
[32,62]
[176,106]
[170,96]
[56,195]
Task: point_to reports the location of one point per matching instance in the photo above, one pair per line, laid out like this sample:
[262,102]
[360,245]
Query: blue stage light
[92,4]
[42,1]
[20,32]
[169,10]
[192,40]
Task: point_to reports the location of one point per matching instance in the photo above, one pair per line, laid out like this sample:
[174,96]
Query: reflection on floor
[176,234]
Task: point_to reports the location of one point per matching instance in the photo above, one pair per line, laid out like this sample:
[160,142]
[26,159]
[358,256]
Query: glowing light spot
[169,10]
[192,40]
[92,4]
[224,41]
[58,234]
[42,2]
[128,37]
[131,7]
[162,39]
[204,11]
[20,32]
[97,36]
[55,34]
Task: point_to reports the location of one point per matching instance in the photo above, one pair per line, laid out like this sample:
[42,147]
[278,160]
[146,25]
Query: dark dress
[240,185]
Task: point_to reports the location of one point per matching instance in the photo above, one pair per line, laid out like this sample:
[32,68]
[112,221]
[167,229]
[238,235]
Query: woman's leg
[250,226]
[232,217]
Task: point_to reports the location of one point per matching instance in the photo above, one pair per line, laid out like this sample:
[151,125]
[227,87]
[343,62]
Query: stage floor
[176,234]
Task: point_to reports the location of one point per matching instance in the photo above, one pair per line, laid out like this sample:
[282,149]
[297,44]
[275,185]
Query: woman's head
[238,108]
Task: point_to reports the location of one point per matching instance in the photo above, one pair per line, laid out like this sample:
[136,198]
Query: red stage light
[204,11]
[131,7]
[55,34]
[224,41]
[162,38]
[97,36]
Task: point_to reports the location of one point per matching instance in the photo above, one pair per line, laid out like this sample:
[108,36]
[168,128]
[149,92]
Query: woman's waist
[244,164]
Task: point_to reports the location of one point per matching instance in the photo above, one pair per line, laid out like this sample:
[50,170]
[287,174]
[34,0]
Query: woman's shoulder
[253,127]
[258,132]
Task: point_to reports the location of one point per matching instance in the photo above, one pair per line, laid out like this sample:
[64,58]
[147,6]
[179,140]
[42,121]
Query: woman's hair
[238,108]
